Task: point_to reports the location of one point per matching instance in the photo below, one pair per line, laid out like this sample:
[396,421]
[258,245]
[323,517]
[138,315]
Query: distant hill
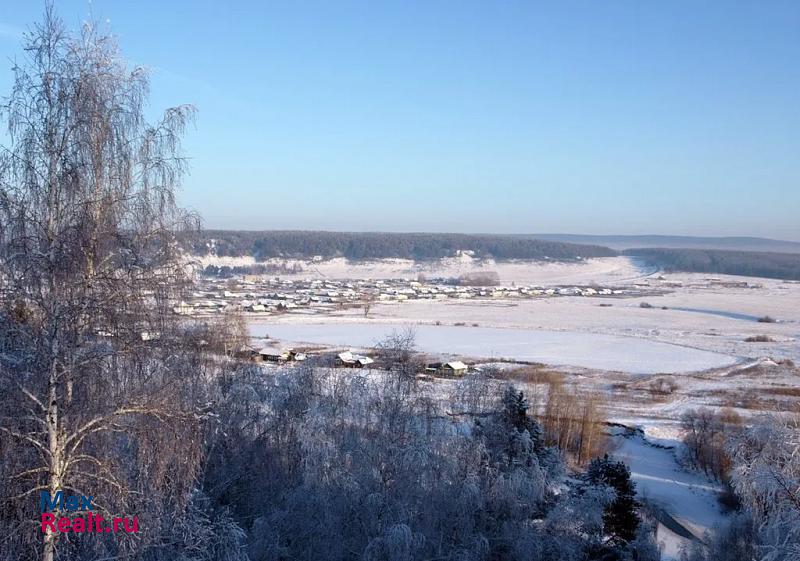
[746,263]
[688,242]
[378,245]
[690,254]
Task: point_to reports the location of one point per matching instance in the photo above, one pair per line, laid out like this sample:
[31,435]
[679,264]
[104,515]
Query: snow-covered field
[602,270]
[559,348]
[700,313]
[693,336]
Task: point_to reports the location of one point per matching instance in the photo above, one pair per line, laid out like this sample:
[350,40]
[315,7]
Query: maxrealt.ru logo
[74,505]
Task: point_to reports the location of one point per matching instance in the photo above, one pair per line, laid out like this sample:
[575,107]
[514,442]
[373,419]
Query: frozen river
[688,497]
[558,348]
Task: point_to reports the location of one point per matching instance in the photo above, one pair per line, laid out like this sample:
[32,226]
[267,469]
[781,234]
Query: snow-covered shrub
[766,476]
[340,466]
[736,541]
[708,434]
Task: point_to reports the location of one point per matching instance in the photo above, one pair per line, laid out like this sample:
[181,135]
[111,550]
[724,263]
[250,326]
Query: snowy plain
[557,348]
[696,333]
[701,311]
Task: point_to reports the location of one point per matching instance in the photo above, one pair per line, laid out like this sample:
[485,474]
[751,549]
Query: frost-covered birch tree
[96,393]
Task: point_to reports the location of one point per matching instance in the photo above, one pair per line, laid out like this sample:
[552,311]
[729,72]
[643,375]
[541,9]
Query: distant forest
[727,243]
[374,245]
[746,263]
[357,246]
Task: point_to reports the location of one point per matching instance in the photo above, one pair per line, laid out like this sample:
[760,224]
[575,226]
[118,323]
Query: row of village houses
[350,359]
[251,296]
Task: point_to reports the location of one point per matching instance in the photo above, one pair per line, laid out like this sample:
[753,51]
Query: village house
[452,369]
[350,360]
[183,309]
[274,354]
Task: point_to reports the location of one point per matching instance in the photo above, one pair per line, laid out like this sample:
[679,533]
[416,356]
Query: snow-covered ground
[559,348]
[601,270]
[694,337]
[700,313]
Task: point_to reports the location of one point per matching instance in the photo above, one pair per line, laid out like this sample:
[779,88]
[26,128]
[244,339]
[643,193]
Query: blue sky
[672,117]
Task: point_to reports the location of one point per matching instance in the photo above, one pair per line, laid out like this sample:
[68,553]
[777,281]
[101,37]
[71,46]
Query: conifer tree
[620,520]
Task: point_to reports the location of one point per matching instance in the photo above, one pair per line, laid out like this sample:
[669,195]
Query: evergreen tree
[620,520]
[515,414]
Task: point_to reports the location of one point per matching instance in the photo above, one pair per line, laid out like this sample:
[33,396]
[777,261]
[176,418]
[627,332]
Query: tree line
[380,245]
[746,263]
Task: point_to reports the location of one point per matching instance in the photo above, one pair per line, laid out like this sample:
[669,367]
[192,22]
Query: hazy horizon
[489,233]
[608,119]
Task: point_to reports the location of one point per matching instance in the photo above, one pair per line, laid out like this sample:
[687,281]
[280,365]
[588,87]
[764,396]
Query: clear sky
[671,117]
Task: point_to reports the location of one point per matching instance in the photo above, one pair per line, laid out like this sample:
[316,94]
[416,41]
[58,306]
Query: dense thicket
[377,245]
[326,465]
[746,263]
[765,474]
[706,438]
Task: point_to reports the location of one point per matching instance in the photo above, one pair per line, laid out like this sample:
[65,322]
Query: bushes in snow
[707,434]
[765,474]
[736,541]
[574,423]
[325,465]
